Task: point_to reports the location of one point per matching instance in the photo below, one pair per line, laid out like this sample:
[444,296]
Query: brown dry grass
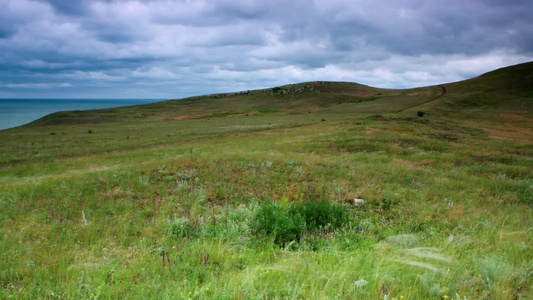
[508,126]
[187,117]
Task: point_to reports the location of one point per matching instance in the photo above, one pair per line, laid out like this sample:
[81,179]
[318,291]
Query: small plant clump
[295,221]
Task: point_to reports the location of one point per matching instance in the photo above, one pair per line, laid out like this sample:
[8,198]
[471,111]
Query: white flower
[360,283]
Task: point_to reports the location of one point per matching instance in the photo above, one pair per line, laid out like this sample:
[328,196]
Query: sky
[165,49]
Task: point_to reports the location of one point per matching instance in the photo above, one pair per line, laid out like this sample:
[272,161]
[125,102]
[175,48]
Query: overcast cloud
[173,49]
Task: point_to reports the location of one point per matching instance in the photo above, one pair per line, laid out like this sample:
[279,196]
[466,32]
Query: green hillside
[509,87]
[252,195]
[295,98]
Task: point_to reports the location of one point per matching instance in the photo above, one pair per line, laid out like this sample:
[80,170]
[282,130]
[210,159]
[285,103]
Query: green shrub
[323,213]
[272,220]
[289,224]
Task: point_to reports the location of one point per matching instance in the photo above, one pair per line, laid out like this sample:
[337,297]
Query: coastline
[18,112]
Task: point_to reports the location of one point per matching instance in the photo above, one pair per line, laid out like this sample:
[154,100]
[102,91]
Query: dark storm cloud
[72,7]
[166,48]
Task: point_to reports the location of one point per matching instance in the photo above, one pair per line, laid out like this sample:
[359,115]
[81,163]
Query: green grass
[156,208]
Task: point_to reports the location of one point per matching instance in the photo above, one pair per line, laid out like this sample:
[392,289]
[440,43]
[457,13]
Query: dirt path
[443,92]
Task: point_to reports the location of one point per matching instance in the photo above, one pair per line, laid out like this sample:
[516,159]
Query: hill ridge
[511,83]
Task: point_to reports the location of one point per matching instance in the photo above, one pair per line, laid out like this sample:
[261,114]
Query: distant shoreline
[16,112]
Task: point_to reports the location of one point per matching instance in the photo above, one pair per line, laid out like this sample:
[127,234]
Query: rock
[358,202]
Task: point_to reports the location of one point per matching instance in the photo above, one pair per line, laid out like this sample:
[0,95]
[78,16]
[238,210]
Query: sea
[17,112]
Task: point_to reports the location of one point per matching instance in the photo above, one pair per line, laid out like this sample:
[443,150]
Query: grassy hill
[250,195]
[294,99]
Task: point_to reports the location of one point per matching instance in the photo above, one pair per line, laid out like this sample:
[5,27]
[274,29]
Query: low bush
[274,221]
[320,214]
[291,223]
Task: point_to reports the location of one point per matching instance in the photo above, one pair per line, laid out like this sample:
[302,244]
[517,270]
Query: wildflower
[360,283]
[446,288]
[445,297]
[383,289]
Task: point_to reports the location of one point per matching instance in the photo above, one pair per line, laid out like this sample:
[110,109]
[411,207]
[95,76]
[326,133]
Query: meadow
[251,195]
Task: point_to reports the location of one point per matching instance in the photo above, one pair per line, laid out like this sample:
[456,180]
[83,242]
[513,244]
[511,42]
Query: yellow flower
[446,288]
[445,296]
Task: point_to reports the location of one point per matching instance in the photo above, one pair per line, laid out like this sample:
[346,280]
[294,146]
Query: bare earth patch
[187,117]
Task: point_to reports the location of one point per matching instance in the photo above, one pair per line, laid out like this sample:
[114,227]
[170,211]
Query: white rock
[358,202]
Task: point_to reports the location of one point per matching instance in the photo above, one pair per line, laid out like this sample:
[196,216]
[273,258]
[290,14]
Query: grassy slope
[87,210]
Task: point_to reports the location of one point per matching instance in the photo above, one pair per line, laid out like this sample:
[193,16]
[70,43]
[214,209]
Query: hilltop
[486,102]
[317,190]
[506,88]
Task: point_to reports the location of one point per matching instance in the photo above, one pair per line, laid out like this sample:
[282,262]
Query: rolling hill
[506,88]
[487,102]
